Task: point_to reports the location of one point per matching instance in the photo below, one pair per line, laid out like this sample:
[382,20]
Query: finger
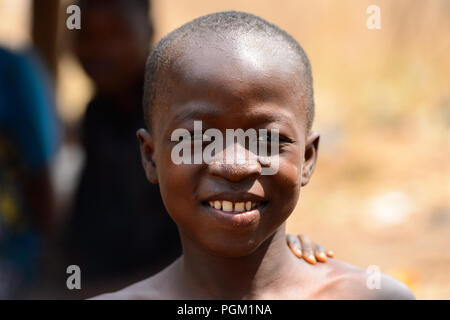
[320,253]
[294,245]
[307,249]
[330,254]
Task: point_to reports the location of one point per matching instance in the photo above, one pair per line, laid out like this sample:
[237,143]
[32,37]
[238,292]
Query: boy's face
[231,85]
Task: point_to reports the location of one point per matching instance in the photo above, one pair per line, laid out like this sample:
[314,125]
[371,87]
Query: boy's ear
[311,149]
[147,151]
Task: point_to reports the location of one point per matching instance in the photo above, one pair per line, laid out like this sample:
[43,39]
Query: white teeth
[239,206]
[227,206]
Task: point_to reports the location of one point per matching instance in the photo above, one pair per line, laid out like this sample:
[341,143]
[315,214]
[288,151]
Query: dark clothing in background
[119,224]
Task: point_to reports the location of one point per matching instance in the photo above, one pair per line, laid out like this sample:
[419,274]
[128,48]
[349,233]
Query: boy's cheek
[177,175]
[289,172]
[177,186]
[178,181]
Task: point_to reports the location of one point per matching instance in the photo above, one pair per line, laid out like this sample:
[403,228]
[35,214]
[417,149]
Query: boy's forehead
[236,63]
[243,72]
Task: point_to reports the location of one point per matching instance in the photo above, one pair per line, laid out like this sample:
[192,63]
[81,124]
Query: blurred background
[70,106]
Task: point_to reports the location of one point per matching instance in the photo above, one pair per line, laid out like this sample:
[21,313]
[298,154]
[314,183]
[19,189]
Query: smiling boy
[233,70]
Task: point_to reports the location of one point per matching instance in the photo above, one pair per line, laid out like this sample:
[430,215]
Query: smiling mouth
[235,207]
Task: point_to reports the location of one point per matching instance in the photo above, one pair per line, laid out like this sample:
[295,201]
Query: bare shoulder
[156,287]
[344,281]
[142,290]
[392,289]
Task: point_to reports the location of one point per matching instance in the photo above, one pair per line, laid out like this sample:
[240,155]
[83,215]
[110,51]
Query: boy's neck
[255,276]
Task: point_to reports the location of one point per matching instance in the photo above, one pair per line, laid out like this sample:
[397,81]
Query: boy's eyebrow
[200,111]
[265,117]
[271,117]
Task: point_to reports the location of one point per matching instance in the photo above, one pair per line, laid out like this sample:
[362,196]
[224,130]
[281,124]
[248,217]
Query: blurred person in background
[119,228]
[29,136]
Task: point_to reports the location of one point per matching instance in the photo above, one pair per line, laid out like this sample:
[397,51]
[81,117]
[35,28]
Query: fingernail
[312,258]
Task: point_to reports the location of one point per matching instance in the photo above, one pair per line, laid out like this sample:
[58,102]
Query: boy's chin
[233,249]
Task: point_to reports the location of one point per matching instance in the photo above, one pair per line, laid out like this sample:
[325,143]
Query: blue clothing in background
[29,135]
[27,108]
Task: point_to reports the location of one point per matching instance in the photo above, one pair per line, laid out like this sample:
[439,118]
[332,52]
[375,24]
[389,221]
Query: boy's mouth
[234,207]
[229,206]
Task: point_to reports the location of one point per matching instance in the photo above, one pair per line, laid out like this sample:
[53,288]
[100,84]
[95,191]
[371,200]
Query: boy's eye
[199,136]
[267,137]
[264,137]
[196,135]
[261,138]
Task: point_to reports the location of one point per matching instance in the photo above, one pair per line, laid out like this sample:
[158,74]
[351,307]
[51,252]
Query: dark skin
[112,47]
[245,257]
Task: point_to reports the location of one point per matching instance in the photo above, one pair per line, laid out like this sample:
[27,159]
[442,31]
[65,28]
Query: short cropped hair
[220,24]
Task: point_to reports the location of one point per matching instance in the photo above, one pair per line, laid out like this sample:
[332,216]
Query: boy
[233,70]
[117,242]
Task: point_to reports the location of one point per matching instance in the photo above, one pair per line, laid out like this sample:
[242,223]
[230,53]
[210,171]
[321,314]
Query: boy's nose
[235,167]
[235,172]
